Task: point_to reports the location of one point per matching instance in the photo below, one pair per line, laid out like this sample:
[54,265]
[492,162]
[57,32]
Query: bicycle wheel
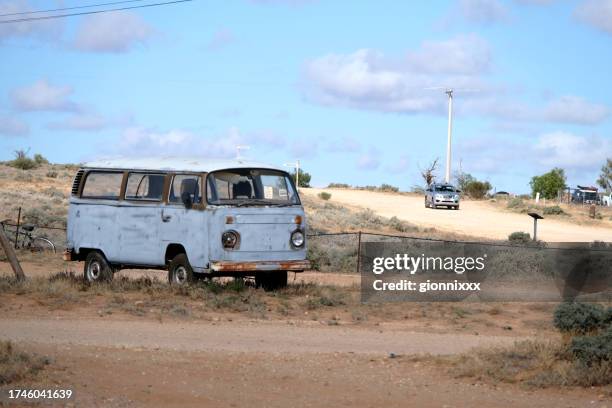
[39,244]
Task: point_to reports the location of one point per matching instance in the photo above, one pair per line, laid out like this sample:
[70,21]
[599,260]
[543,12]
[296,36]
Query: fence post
[11,256]
[359,252]
[18,225]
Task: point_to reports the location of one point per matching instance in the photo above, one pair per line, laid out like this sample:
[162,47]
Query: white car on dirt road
[442,195]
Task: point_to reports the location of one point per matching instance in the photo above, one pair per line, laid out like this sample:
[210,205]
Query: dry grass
[531,363]
[17,365]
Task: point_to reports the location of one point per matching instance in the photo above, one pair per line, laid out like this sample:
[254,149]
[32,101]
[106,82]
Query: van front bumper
[229,266]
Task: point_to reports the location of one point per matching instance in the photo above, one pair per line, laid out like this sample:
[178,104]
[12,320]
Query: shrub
[553,210]
[516,202]
[40,159]
[593,349]
[579,318]
[51,174]
[477,189]
[338,185]
[324,195]
[388,188]
[22,161]
[519,237]
[16,365]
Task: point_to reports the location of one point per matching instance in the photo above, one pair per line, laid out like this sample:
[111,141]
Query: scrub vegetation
[582,358]
[18,365]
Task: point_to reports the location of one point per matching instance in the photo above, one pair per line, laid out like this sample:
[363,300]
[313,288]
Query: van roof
[197,164]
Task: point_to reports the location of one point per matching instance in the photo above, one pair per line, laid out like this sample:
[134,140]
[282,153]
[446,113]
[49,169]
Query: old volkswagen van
[193,217]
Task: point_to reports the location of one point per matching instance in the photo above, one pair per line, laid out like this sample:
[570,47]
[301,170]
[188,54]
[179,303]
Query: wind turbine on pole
[296,165]
[450,92]
[447,173]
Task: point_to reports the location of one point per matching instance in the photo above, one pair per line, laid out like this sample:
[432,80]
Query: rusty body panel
[133,233]
[224,266]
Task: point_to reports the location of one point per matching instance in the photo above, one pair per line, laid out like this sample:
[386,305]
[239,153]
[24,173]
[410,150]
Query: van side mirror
[186,199]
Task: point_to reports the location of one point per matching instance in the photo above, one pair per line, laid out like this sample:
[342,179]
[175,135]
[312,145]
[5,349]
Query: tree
[605,178]
[477,189]
[304,178]
[548,184]
[428,173]
[463,179]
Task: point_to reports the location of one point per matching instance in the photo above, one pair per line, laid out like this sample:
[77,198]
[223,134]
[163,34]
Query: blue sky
[342,86]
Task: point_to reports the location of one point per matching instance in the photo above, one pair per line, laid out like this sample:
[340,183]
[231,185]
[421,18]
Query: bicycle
[27,240]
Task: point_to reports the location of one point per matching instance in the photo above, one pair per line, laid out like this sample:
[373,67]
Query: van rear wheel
[96,268]
[271,280]
[180,271]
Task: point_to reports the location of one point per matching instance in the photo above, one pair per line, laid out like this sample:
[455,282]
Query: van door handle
[165,218]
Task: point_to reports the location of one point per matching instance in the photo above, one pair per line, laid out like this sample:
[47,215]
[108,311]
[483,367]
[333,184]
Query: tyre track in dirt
[259,336]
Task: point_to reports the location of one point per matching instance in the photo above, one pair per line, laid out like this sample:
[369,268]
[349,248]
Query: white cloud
[43,96]
[344,145]
[597,13]
[464,54]
[565,109]
[41,29]
[183,142]
[369,160]
[567,150]
[574,109]
[151,142]
[11,126]
[112,32]
[220,39]
[88,122]
[483,11]
[366,79]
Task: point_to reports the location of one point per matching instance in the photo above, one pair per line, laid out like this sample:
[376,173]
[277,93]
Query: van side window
[102,185]
[185,184]
[146,187]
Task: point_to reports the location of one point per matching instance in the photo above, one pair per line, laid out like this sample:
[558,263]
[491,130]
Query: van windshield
[244,187]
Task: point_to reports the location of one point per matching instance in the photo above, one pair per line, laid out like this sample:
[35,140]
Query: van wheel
[96,268]
[271,280]
[179,271]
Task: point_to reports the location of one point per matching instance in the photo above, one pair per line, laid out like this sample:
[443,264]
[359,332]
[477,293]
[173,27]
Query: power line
[20,20]
[69,8]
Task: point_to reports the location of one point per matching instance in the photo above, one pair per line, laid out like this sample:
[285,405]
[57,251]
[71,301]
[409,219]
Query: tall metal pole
[297,175]
[447,175]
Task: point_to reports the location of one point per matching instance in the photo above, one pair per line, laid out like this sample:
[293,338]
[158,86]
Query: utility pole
[447,175]
[297,172]
[238,149]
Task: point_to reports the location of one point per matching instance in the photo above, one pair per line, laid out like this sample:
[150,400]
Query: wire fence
[327,251]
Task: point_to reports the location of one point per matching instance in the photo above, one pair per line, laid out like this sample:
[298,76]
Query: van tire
[96,268]
[271,280]
[180,271]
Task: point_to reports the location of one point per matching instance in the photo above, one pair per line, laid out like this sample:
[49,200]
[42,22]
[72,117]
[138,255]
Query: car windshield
[449,189]
[244,187]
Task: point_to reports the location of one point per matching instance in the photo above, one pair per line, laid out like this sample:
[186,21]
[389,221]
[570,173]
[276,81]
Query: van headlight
[297,239]
[229,239]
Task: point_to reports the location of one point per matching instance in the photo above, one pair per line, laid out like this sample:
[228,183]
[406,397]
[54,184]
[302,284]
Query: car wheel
[96,268]
[179,271]
[271,280]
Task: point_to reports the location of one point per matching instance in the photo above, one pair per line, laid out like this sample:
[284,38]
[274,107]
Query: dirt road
[114,363]
[475,218]
[268,337]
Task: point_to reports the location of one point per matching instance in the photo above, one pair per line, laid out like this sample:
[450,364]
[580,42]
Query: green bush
[553,210]
[516,202]
[22,161]
[338,185]
[519,237]
[324,195]
[388,188]
[593,349]
[477,189]
[580,318]
[40,159]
